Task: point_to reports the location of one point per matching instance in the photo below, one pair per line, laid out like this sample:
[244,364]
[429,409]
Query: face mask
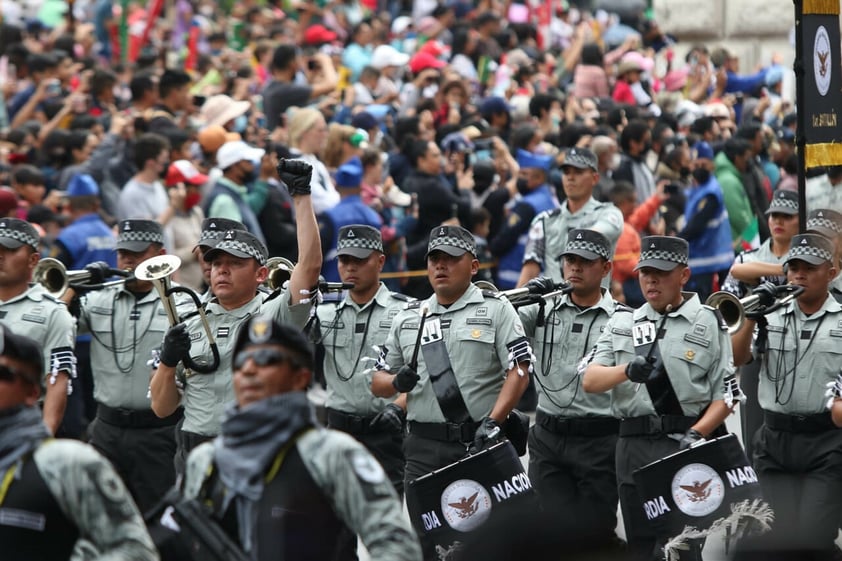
[191,200]
[240,124]
[685,172]
[249,176]
[523,186]
[701,175]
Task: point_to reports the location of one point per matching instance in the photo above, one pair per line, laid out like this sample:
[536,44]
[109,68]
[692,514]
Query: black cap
[825,222]
[784,202]
[588,244]
[263,330]
[239,244]
[137,235]
[581,158]
[359,240]
[23,349]
[663,252]
[812,248]
[215,228]
[15,232]
[453,240]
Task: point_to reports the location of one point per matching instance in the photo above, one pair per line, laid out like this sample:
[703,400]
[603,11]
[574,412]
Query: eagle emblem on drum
[466,506]
[698,491]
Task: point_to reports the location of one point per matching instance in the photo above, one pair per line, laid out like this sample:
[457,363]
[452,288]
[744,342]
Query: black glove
[488,433]
[296,175]
[176,345]
[391,419]
[767,292]
[541,285]
[640,370]
[405,379]
[690,437]
[99,271]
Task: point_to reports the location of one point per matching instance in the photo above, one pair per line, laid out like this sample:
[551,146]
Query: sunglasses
[264,357]
[8,374]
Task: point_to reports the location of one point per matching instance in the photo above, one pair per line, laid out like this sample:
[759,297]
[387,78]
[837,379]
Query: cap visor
[11,243]
[135,247]
[199,179]
[575,165]
[811,259]
[583,253]
[448,249]
[660,264]
[212,254]
[358,252]
[826,232]
[789,211]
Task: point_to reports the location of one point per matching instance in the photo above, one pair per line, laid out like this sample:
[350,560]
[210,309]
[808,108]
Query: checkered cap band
[810,245]
[243,247]
[141,236]
[19,230]
[361,238]
[453,237]
[588,245]
[664,255]
[822,223]
[784,204]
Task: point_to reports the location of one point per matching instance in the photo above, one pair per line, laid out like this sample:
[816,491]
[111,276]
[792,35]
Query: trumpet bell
[280,271]
[731,308]
[158,267]
[486,285]
[52,275]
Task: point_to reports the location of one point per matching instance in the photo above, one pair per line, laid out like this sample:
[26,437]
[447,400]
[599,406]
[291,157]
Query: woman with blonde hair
[343,143]
[307,141]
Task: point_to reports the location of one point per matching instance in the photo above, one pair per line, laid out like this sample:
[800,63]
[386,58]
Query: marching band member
[668,365]
[796,450]
[571,445]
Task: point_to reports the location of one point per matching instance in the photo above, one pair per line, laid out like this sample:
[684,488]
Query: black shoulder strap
[442,378]
[645,336]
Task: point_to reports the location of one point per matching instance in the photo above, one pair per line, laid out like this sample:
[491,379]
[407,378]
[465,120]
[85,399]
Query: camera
[53,88]
[483,144]
[312,64]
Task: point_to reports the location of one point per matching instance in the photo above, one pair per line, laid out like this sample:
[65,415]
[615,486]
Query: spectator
[307,141]
[730,165]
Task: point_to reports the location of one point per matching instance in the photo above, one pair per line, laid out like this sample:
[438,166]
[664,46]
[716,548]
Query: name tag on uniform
[478,321]
[621,331]
[33,318]
[409,325]
[643,333]
[196,336]
[701,341]
[386,323]
[836,332]
[99,310]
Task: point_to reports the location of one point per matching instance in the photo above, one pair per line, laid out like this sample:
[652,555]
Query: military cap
[453,240]
[263,330]
[812,248]
[663,252]
[241,244]
[359,240]
[25,350]
[784,202]
[15,232]
[137,235]
[581,158]
[825,222]
[215,228]
[588,244]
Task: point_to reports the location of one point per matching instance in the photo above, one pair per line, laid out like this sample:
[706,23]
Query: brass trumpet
[158,270]
[733,309]
[56,279]
[280,271]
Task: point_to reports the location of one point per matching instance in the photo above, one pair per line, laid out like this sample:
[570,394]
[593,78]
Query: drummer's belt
[580,426]
[819,422]
[352,424]
[651,425]
[441,374]
[445,432]
[660,389]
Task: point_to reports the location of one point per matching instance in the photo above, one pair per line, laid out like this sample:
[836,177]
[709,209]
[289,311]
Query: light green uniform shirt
[560,345]
[124,332]
[548,233]
[803,354]
[696,350]
[478,331]
[39,316]
[206,395]
[349,333]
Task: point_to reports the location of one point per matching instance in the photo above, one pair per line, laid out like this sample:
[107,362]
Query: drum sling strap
[441,373]
[660,389]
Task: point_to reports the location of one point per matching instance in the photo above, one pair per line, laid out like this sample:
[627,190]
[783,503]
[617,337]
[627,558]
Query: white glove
[834,391]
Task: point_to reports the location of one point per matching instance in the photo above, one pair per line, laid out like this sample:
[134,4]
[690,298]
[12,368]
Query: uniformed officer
[59,499]
[349,329]
[127,323]
[289,487]
[796,451]
[571,445]
[828,223]
[212,230]
[36,314]
[474,344]
[238,268]
[668,365]
[548,233]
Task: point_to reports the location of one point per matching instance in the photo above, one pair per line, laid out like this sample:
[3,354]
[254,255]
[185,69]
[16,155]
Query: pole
[800,138]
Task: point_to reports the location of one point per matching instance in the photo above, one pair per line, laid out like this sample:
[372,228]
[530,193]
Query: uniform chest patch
[196,336]
[643,333]
[483,312]
[693,338]
[34,318]
[478,321]
[222,332]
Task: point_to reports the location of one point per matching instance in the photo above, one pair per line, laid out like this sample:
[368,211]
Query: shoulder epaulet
[51,298]
[554,212]
[620,307]
[491,294]
[413,305]
[401,297]
[723,325]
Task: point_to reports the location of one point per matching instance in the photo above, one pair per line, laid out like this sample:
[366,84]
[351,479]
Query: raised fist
[296,175]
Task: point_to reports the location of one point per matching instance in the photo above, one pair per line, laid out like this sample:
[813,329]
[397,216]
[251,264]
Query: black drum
[696,487]
[454,501]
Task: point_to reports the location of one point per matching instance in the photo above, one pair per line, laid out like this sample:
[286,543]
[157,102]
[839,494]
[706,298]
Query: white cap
[400,24]
[236,151]
[387,55]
